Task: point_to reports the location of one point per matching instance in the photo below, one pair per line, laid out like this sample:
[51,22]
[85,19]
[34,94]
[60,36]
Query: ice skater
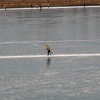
[48,50]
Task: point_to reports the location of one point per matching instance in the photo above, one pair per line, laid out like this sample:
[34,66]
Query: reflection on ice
[48,61]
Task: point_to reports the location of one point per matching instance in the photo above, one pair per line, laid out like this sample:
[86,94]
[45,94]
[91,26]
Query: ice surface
[74,32]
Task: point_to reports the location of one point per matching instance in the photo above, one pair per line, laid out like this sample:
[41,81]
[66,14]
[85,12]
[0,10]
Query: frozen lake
[26,73]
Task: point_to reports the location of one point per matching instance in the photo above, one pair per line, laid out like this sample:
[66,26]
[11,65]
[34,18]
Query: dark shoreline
[49,6]
[57,7]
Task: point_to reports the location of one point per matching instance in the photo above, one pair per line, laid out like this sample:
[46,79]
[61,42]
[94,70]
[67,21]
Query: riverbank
[46,3]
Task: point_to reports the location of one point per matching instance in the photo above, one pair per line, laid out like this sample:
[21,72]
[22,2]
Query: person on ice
[48,50]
